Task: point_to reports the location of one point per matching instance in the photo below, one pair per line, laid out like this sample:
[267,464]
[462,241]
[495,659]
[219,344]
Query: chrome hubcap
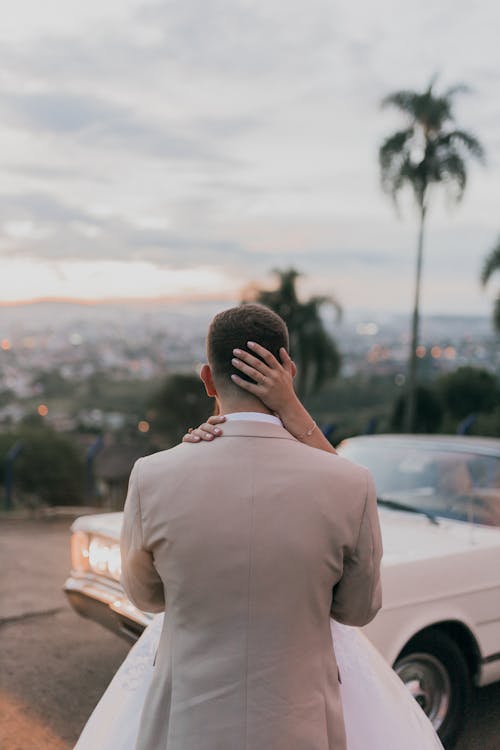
[428,682]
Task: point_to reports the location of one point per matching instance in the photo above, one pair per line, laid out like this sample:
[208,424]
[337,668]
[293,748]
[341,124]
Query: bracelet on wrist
[308,432]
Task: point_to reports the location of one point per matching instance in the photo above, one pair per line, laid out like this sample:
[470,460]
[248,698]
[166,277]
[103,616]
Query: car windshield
[451,484]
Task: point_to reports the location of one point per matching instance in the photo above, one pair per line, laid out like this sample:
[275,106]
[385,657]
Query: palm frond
[491,264]
[462,139]
[394,145]
[453,173]
[394,159]
[403,100]
[458,88]
[432,82]
[496,313]
[329,299]
[424,108]
[433,112]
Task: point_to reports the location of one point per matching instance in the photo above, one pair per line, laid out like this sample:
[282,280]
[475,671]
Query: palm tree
[428,151]
[313,349]
[492,264]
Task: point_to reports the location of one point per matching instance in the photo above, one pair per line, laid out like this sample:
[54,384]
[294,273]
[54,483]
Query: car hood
[415,537]
[405,536]
[105,524]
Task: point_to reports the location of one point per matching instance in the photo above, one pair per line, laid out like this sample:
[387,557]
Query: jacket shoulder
[332,462]
[161,459]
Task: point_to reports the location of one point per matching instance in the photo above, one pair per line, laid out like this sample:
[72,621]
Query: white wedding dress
[379,712]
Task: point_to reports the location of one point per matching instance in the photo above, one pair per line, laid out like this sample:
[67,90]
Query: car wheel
[435,672]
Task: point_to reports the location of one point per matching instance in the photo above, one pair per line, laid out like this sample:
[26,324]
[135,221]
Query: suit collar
[247,428]
[253,416]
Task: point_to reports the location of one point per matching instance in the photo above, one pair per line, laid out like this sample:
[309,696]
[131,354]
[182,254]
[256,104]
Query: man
[250,543]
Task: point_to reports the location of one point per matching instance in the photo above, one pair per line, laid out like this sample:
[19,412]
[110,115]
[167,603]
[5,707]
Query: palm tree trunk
[409,425]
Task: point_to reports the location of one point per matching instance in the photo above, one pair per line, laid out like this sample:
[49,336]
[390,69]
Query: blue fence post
[9,460]
[328,429]
[92,452]
[465,425]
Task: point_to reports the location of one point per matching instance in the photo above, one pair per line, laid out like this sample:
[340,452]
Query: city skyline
[185,150]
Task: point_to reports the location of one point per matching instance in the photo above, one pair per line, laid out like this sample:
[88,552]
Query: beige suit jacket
[250,543]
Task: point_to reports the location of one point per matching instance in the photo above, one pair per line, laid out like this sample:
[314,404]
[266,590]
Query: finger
[207,431]
[255,362]
[213,429]
[200,434]
[250,371]
[265,354]
[190,437]
[286,360]
[250,387]
[216,419]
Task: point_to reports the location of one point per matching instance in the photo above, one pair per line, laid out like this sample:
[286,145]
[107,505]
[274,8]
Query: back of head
[231,329]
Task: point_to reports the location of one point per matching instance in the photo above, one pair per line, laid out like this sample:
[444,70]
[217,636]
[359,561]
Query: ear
[208,381]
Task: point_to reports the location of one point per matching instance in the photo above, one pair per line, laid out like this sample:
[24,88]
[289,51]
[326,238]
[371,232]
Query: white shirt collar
[253,416]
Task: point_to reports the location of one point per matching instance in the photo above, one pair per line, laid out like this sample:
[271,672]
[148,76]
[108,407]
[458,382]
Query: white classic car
[439,627]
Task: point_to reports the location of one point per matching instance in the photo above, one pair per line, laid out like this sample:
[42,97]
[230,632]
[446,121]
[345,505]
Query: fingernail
[216,430]
[233,377]
[236,351]
[195,437]
[207,437]
[233,361]
[250,343]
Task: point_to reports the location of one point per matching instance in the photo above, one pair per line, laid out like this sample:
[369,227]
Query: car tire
[435,672]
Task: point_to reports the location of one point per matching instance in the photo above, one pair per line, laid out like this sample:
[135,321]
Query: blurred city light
[43,410]
[450,352]
[367,329]
[75,339]
[143,426]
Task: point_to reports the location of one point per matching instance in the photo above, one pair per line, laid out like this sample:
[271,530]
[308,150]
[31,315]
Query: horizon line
[208,297]
[96,301]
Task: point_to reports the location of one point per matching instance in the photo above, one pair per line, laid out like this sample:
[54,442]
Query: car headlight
[95,553]
[104,557]
[80,551]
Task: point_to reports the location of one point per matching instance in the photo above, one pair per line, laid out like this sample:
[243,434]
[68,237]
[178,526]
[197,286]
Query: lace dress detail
[137,666]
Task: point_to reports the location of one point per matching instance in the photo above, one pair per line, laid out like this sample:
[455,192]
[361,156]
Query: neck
[230,405]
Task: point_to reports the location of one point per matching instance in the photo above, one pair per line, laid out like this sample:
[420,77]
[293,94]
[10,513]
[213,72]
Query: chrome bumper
[105,602]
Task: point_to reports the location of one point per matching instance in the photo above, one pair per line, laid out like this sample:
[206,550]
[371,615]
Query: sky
[185,148]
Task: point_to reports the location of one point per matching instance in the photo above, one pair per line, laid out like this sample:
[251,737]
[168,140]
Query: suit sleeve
[139,577]
[357,597]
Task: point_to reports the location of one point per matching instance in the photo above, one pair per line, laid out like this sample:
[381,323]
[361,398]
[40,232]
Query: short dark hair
[231,329]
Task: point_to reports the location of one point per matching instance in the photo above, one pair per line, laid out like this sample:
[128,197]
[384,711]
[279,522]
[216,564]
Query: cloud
[39,207]
[60,112]
[236,132]
[43,172]
[100,124]
[242,38]
[40,225]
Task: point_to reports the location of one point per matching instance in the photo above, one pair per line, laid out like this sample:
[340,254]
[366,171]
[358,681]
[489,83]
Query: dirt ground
[54,665]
